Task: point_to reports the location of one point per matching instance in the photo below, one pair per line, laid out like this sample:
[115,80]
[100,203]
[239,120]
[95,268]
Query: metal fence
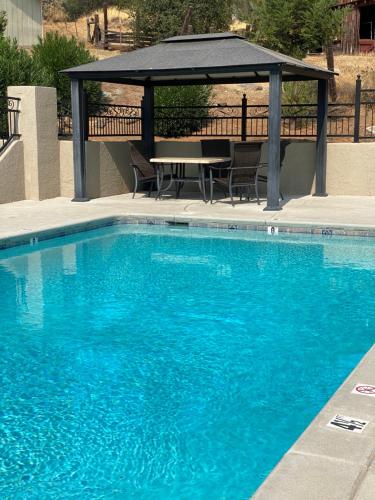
[103,120]
[251,121]
[9,113]
[366,116]
[244,121]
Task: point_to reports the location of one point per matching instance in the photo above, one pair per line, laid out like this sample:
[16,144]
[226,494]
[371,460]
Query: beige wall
[38,129]
[12,183]
[297,176]
[108,170]
[66,169]
[351,169]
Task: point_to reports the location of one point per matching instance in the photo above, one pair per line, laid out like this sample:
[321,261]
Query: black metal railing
[354,121]
[366,115]
[249,121]
[103,120]
[9,113]
[110,120]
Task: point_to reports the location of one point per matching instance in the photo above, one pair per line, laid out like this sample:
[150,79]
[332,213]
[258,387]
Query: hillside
[347,66]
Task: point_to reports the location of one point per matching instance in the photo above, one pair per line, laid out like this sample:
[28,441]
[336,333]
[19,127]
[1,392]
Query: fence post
[105,31]
[244,119]
[357,112]
[142,118]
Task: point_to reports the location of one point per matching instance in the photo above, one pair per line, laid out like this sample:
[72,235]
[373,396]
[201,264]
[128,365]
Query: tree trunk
[331,66]
[88,29]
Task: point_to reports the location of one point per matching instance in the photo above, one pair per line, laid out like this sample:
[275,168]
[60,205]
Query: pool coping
[328,230]
[324,462]
[327,462]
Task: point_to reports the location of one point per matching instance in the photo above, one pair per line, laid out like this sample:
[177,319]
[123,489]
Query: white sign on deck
[364,390]
[351,424]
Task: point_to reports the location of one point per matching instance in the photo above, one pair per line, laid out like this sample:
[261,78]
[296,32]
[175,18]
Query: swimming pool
[159,362]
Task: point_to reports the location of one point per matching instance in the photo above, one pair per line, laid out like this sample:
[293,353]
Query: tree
[296,27]
[323,31]
[164,18]
[16,66]
[77,8]
[55,53]
[279,25]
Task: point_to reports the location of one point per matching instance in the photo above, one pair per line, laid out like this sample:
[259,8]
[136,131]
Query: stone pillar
[39,134]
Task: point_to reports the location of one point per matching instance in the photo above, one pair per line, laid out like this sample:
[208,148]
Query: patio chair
[144,172]
[283,145]
[214,148]
[242,175]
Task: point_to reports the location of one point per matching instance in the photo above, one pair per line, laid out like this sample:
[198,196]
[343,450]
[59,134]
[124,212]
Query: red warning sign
[364,389]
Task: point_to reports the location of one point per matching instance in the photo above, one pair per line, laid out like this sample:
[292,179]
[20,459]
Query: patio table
[178,172]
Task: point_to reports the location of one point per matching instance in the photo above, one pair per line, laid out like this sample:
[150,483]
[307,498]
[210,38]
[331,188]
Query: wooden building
[24,20]
[358,34]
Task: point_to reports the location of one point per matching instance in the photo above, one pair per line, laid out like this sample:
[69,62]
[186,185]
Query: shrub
[16,66]
[296,93]
[3,22]
[183,110]
[55,53]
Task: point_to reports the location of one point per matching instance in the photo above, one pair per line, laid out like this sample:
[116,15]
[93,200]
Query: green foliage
[296,93]
[16,66]
[76,8]
[326,25]
[295,27]
[164,18]
[168,121]
[55,53]
[3,22]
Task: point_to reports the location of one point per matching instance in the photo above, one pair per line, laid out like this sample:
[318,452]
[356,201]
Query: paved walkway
[338,212]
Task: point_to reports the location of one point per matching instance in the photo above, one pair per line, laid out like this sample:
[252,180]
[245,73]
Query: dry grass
[119,20]
[348,68]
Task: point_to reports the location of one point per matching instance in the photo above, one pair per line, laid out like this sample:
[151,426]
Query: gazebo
[215,58]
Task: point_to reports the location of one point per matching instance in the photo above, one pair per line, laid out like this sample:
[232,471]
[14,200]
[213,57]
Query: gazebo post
[148,120]
[321,144]
[274,133]
[79,153]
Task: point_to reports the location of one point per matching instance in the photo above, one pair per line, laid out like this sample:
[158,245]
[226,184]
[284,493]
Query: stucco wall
[108,171]
[297,175]
[66,169]
[24,20]
[351,169]
[12,182]
[38,129]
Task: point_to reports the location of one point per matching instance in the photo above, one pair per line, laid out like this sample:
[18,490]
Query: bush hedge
[183,109]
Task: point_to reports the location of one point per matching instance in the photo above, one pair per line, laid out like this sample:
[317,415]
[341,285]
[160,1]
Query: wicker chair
[242,175]
[144,172]
[283,145]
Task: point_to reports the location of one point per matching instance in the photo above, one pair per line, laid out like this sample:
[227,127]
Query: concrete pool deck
[343,214]
[326,462]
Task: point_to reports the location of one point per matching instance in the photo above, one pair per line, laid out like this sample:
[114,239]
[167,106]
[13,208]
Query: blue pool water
[167,363]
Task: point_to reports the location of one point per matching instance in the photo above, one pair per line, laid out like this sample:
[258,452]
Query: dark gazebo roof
[211,58]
